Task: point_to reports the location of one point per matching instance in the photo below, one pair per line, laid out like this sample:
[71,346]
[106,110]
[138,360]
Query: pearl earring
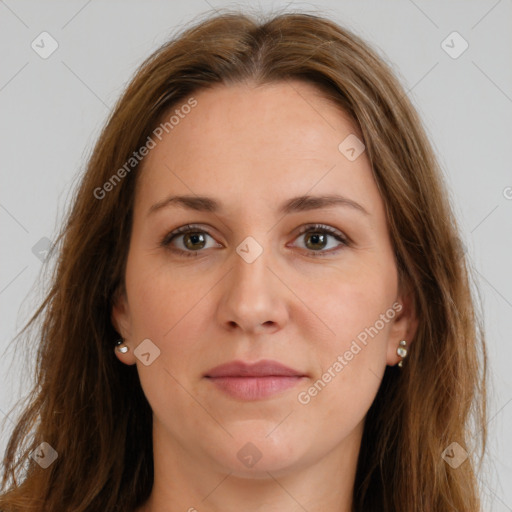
[121,347]
[402,352]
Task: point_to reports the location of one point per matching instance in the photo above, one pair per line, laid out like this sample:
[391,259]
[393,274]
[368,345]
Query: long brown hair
[91,409]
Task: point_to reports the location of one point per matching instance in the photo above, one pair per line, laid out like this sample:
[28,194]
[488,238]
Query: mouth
[246,381]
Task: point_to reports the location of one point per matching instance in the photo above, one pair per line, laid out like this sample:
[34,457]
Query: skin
[251,148]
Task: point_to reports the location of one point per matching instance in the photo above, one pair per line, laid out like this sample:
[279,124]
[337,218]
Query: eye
[193,239]
[318,236]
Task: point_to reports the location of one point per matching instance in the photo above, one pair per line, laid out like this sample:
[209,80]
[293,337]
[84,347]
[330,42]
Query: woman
[260,301]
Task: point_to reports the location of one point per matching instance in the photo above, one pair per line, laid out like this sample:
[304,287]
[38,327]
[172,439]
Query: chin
[254,456]
[276,466]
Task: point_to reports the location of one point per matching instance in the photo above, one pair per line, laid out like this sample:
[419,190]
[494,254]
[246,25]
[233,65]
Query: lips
[257,381]
[264,368]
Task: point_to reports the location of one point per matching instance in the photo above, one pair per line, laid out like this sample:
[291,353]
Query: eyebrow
[295,204]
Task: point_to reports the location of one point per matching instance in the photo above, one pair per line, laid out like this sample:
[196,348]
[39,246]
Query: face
[309,284]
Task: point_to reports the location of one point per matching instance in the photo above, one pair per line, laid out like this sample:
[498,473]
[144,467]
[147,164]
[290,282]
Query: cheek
[357,311]
[349,363]
[168,311]
[171,311]
[341,404]
[351,357]
[350,302]
[159,298]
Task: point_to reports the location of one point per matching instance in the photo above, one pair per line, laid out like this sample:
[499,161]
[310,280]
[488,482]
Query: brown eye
[194,241]
[190,240]
[187,240]
[317,239]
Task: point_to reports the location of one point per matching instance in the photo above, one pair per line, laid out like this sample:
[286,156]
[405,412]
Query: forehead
[295,110]
[253,138]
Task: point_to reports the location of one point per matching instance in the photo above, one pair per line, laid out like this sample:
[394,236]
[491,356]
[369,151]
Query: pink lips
[254,381]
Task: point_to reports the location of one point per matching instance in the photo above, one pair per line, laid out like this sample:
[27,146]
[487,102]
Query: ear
[404,327]
[121,320]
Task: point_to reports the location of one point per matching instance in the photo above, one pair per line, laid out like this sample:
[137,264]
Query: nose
[253,297]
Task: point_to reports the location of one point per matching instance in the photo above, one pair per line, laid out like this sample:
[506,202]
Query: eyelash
[311,228]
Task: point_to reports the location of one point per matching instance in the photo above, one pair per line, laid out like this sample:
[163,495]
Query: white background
[53,109]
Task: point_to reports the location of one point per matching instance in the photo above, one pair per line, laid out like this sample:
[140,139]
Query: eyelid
[322,227]
[183,230]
